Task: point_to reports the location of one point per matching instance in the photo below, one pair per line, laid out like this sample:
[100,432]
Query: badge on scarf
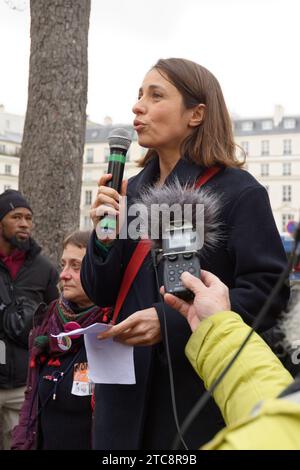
[64,343]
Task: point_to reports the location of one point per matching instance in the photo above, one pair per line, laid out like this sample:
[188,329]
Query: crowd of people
[182,119]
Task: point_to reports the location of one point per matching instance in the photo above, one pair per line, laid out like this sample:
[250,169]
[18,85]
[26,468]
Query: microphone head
[119,138]
[202,214]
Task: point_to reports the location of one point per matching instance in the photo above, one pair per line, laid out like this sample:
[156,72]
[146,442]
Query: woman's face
[70,275]
[162,121]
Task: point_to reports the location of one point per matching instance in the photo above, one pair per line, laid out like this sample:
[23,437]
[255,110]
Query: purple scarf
[58,314]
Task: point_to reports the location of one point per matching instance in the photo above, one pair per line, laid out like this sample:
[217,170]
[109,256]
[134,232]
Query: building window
[6,186]
[285,220]
[247,126]
[266,125]
[286,193]
[7,169]
[88,198]
[265,147]
[289,123]
[2,148]
[90,156]
[87,223]
[287,169]
[245,147]
[264,169]
[287,147]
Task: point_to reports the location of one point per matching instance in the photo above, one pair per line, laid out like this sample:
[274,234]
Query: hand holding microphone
[105,212]
[107,202]
[211,296]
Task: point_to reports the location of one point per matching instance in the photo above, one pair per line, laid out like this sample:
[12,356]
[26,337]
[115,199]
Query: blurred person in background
[27,278]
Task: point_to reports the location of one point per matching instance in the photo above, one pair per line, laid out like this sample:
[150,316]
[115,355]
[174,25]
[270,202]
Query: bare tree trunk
[53,140]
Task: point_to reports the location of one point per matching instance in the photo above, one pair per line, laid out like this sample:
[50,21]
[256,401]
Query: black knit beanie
[10,200]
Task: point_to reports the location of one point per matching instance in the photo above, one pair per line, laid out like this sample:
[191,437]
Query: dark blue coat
[249,261]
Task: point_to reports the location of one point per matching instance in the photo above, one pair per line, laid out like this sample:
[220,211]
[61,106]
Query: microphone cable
[170,369]
[264,310]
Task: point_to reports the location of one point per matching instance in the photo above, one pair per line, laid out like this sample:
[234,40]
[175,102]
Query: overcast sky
[251,46]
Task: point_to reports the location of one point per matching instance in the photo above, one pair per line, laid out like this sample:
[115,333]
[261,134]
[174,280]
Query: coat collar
[186,171]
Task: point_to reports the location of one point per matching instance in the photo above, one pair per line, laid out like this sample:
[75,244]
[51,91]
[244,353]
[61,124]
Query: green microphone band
[117,157]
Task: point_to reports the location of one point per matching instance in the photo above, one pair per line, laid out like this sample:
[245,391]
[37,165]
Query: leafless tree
[53,141]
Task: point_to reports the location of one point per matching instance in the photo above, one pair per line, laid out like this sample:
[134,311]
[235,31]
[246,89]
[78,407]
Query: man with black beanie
[27,279]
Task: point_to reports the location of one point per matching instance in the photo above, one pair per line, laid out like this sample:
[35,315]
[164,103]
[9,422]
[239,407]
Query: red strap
[136,261]
[142,250]
[207,175]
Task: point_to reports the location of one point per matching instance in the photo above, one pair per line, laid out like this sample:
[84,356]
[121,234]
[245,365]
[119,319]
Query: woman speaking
[182,119]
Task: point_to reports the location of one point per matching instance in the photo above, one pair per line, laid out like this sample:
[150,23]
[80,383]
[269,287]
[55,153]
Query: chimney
[107,121]
[278,114]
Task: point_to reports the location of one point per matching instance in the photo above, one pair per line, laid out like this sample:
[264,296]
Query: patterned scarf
[59,313]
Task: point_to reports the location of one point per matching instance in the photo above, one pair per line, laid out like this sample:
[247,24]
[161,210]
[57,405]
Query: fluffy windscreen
[290,326]
[180,204]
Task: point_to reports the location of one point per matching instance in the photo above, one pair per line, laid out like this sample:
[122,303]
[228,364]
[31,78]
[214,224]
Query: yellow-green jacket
[256,376]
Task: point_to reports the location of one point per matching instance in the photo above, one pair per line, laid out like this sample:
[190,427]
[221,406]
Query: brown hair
[78,238]
[211,142]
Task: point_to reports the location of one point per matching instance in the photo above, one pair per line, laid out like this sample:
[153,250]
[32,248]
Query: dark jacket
[24,435]
[36,282]
[60,424]
[249,260]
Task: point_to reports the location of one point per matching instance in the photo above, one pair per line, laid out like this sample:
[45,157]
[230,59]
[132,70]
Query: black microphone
[181,222]
[119,142]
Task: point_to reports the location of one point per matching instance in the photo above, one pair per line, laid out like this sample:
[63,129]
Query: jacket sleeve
[101,275]
[21,438]
[24,434]
[51,292]
[257,255]
[256,375]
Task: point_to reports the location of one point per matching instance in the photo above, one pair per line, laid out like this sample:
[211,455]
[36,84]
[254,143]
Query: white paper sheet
[109,362]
